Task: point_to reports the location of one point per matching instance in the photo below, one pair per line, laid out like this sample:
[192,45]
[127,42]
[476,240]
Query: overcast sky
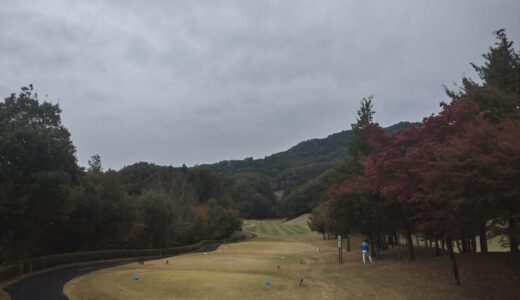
[203,81]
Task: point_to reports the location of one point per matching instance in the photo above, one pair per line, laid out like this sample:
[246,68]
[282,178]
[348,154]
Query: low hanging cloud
[202,81]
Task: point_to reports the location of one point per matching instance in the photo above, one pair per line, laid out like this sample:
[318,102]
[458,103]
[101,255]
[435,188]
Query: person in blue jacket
[364,250]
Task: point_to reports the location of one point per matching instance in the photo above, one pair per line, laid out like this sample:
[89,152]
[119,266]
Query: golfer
[364,250]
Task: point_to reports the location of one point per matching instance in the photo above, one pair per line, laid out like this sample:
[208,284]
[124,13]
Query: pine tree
[358,146]
[499,93]
[502,66]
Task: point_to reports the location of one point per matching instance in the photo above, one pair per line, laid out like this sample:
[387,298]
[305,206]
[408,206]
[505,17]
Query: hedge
[45,262]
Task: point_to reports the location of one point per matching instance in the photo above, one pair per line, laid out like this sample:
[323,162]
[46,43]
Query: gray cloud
[201,81]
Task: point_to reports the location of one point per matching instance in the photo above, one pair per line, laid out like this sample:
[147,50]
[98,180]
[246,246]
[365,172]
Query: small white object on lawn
[205,253]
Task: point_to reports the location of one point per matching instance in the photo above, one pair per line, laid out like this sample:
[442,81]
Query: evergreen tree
[502,65]
[499,93]
[358,146]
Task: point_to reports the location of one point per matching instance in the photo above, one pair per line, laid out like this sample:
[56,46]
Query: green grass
[277,228]
[238,271]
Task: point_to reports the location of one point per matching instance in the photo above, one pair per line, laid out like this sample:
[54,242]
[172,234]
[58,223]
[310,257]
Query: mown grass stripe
[298,228]
[262,227]
[286,230]
[274,229]
[304,228]
[292,229]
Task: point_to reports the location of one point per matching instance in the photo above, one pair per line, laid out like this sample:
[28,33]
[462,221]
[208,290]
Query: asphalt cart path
[49,285]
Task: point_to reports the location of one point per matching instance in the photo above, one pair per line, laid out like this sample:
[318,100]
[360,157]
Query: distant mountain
[301,167]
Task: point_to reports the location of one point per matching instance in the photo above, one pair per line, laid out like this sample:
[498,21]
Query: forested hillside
[299,176]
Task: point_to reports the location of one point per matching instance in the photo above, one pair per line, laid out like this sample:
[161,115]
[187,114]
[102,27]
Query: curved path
[49,285]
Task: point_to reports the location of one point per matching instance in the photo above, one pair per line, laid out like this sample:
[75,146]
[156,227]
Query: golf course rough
[248,270]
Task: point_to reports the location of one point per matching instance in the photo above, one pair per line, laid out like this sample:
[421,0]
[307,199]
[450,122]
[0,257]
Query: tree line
[452,178]
[48,204]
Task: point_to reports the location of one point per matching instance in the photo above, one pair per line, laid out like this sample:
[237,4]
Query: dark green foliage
[221,221]
[142,176]
[499,93]
[302,198]
[156,219]
[502,65]
[358,145]
[94,164]
[295,166]
[303,173]
[252,194]
[319,220]
[37,167]
[50,205]
[206,183]
[103,216]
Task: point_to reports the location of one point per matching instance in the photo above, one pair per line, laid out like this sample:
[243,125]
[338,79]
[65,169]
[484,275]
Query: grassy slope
[302,220]
[238,271]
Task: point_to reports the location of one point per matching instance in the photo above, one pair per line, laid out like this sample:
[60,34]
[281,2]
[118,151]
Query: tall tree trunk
[398,245]
[512,231]
[410,244]
[465,244]
[483,240]
[348,242]
[372,246]
[473,240]
[323,235]
[458,246]
[12,248]
[379,245]
[417,240]
[453,259]
[443,244]
[436,247]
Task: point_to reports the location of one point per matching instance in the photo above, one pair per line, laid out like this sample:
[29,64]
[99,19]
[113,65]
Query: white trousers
[365,254]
